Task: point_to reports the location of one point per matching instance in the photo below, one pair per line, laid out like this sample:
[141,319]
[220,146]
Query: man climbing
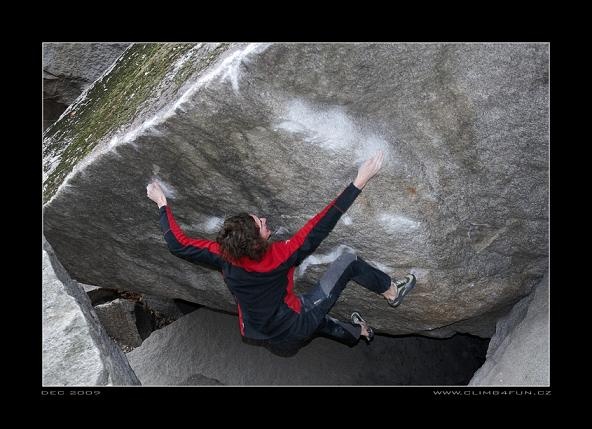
[259,274]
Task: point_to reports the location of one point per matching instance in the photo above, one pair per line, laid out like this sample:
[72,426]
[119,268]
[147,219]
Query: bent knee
[346,258]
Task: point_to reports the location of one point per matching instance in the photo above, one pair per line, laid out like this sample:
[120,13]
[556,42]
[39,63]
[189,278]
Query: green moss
[190,67]
[115,101]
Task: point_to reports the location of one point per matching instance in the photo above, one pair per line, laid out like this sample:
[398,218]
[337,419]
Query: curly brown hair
[239,236]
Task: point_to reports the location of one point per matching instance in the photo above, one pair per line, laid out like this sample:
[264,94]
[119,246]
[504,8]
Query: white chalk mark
[346,219]
[210,225]
[181,61]
[332,129]
[213,224]
[397,223]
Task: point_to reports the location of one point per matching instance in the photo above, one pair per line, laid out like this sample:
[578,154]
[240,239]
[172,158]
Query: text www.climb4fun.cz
[492,392]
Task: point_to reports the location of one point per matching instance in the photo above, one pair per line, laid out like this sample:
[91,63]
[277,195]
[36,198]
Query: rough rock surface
[69,68]
[119,319]
[76,350]
[99,295]
[518,353]
[279,130]
[205,348]
[164,307]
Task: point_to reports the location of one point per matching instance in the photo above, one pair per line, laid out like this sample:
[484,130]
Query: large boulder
[518,353]
[189,351]
[76,349]
[279,130]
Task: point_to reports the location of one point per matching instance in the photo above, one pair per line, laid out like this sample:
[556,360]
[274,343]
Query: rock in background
[279,130]
[69,68]
[99,295]
[205,348]
[518,353]
[129,317]
[76,349]
[120,319]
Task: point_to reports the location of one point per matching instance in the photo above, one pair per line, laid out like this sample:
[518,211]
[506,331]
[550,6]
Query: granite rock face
[205,348]
[76,349]
[119,320]
[69,68]
[279,130]
[519,353]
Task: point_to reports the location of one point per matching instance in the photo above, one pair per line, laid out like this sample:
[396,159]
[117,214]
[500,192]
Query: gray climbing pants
[316,303]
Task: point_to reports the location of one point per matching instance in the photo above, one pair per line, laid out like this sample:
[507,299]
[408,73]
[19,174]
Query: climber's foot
[367,332]
[402,287]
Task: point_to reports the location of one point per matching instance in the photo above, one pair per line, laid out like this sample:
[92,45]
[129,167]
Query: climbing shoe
[403,286]
[357,319]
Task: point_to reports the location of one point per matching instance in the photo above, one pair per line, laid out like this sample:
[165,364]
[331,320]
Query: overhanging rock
[279,130]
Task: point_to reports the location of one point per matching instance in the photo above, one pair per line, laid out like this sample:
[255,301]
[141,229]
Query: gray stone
[69,68]
[205,347]
[518,353]
[279,130]
[76,350]
[164,306]
[119,319]
[99,295]
[79,63]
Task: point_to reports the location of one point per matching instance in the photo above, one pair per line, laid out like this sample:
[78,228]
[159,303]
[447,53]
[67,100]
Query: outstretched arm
[310,236]
[191,249]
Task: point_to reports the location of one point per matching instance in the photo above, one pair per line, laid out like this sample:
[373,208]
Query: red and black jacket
[264,290]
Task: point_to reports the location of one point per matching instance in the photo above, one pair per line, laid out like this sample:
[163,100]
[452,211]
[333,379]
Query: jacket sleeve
[194,250]
[310,236]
